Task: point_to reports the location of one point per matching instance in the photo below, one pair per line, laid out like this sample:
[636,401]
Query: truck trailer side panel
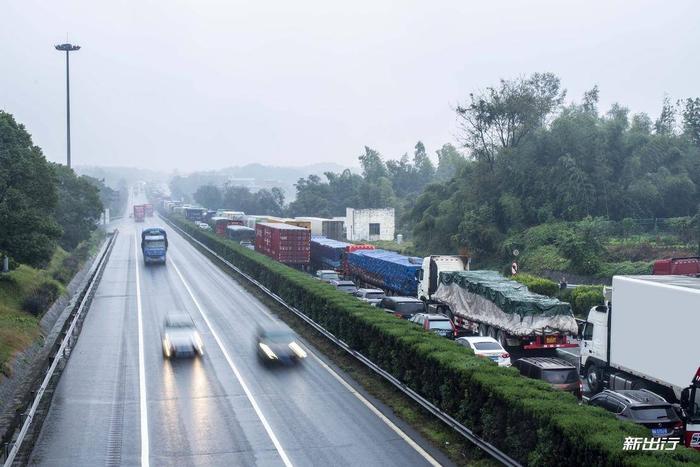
[655,328]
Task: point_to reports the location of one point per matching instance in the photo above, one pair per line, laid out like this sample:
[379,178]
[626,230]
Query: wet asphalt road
[221,409]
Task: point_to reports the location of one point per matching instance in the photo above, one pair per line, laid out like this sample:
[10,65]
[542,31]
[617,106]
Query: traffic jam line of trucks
[624,355]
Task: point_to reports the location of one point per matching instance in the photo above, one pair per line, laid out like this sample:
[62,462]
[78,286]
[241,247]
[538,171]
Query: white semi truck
[489,304]
[647,335]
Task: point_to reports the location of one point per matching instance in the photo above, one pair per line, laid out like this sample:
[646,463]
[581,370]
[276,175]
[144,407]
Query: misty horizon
[174,86]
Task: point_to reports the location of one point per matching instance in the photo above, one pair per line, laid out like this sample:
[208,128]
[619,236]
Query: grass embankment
[26,293]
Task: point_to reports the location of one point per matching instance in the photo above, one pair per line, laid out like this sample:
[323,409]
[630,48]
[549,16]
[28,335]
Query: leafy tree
[208,196]
[500,118]
[691,119]
[665,124]
[28,196]
[79,206]
[373,167]
[449,162]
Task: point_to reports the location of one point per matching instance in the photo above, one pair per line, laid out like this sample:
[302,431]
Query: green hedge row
[522,417]
[536,284]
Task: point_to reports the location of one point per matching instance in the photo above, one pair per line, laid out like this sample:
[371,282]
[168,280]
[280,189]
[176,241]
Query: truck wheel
[594,379]
[501,338]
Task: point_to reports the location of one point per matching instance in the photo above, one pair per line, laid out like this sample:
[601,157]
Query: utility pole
[68,48]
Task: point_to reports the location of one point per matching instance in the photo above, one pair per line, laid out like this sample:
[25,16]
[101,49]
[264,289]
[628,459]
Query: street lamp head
[67,47]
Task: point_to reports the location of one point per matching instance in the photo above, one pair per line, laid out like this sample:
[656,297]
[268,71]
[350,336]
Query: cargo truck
[487,303]
[285,243]
[649,339]
[687,266]
[387,270]
[149,210]
[154,245]
[139,212]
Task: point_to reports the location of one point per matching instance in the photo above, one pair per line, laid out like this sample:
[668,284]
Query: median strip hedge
[524,418]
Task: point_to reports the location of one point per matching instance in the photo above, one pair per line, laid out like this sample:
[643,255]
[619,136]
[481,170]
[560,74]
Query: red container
[283,242]
[220,224]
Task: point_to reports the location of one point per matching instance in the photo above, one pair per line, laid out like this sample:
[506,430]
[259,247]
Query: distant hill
[252,175]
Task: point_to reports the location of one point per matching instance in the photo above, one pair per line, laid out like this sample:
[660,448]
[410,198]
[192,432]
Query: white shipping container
[655,327]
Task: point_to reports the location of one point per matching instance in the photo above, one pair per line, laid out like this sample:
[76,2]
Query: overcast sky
[207,84]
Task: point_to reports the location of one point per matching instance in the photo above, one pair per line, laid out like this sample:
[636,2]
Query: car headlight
[298,351]
[268,351]
[167,347]
[198,341]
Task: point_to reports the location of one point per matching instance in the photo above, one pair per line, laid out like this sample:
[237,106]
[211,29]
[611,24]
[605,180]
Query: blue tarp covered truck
[387,270]
[154,245]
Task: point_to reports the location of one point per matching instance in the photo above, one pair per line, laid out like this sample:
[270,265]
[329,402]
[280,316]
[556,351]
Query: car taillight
[505,355]
[678,426]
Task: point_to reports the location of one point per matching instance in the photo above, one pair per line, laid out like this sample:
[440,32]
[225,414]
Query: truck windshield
[654,413]
[563,376]
[155,244]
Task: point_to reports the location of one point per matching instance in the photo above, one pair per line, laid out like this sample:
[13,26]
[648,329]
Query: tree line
[42,204]
[534,160]
[391,183]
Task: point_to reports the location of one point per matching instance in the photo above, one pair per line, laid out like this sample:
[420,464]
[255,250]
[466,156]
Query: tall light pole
[68,48]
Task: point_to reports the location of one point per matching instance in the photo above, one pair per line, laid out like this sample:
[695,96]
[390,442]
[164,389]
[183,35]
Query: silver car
[371,296]
[180,337]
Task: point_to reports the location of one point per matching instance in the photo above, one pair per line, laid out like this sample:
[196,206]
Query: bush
[583,298]
[41,298]
[525,418]
[625,268]
[538,285]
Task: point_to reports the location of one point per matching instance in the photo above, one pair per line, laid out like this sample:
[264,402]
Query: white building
[369,224]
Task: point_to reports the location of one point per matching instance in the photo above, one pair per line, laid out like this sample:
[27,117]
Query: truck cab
[430,271]
[154,245]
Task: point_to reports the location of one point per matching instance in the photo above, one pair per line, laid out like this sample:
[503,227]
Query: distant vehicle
[180,337]
[276,344]
[643,407]
[327,275]
[139,212]
[203,225]
[154,245]
[439,324]
[486,347]
[688,266]
[344,286]
[371,296]
[402,307]
[149,210]
[559,373]
[489,304]
[247,244]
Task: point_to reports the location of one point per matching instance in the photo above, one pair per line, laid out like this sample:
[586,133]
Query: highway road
[119,402]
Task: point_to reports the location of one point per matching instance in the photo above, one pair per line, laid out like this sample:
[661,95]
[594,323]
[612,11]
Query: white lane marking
[233,367]
[145,461]
[430,459]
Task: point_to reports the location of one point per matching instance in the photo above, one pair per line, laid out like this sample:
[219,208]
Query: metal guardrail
[485,446]
[70,331]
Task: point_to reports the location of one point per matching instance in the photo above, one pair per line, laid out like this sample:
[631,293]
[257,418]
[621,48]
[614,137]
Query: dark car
[437,323]
[276,344]
[559,373]
[402,307]
[643,407]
